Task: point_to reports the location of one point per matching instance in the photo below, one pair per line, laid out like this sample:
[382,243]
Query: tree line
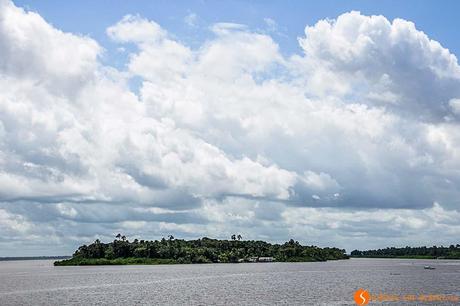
[204,250]
[450,252]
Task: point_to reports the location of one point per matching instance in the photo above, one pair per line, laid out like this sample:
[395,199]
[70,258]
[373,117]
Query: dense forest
[451,252]
[205,250]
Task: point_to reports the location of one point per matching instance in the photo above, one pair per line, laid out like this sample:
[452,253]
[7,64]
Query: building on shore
[265,259]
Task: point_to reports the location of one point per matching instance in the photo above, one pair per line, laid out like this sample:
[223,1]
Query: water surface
[38,282]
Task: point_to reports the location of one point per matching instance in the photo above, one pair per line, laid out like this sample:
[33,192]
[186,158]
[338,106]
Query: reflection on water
[327,283]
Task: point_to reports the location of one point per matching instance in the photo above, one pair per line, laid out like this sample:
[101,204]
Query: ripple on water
[325,283]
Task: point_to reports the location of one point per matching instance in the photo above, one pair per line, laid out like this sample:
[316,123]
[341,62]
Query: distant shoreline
[421,252]
[150,261]
[135,261]
[16,258]
[403,257]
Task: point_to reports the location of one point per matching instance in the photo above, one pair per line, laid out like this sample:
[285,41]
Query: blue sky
[437,20]
[334,124]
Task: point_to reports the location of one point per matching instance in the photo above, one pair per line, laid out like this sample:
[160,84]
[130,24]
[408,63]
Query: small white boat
[429,268]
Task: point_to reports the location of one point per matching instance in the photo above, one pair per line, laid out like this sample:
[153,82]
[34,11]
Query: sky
[335,124]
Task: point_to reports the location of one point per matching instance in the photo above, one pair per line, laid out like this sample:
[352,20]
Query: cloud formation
[355,138]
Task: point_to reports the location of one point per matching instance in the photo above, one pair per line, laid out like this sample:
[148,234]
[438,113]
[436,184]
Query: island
[434,252]
[121,251]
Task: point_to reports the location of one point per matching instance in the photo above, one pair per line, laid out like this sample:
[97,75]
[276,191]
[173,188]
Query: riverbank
[408,257]
[421,252]
[151,261]
[16,258]
[116,261]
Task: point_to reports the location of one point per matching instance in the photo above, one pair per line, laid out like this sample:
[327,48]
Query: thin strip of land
[434,252]
[33,258]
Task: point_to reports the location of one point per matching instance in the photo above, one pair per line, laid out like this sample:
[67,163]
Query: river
[38,282]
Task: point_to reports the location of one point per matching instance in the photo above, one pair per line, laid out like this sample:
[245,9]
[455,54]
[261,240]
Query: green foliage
[75,261]
[204,250]
[451,252]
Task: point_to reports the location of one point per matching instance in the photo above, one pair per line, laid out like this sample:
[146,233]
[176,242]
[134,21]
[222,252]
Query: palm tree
[239,237]
[118,236]
[233,237]
[123,237]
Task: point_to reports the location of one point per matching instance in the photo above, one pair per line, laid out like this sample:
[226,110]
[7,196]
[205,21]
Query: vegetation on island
[451,252]
[204,250]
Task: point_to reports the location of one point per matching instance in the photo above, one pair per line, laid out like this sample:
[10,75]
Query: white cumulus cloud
[356,137]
